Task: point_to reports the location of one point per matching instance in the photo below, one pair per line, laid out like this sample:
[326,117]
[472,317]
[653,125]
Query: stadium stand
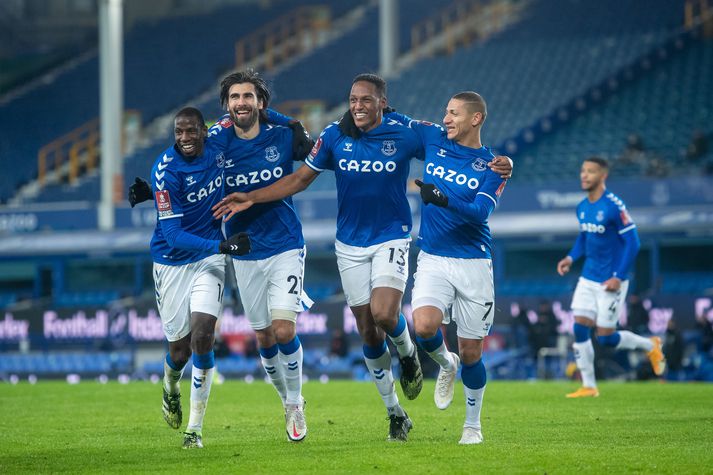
[181,69]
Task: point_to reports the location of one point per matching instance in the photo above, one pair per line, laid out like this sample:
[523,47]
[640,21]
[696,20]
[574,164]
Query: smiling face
[189,133]
[366,105]
[460,120]
[244,106]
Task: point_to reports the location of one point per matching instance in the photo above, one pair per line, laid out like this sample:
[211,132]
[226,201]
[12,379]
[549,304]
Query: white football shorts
[274,283]
[591,301]
[365,268]
[184,289]
[463,285]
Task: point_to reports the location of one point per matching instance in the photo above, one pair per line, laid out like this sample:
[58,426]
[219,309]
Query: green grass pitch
[646,428]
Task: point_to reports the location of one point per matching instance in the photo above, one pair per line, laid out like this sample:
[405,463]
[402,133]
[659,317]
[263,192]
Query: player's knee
[384,317]
[285,331]
[265,337]
[180,355]
[424,328]
[202,337]
[470,354]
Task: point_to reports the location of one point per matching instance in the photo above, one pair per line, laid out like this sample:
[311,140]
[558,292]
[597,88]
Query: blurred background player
[270,279]
[609,242]
[455,270]
[189,272]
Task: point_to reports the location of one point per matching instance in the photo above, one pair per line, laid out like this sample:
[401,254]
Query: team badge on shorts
[388,148]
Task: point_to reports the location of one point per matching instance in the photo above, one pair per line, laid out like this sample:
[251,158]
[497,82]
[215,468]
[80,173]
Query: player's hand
[612,284]
[231,205]
[564,265]
[236,245]
[431,194]
[139,192]
[387,110]
[348,127]
[301,141]
[501,165]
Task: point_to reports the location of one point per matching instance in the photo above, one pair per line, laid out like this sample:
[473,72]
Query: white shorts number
[362,269]
[591,301]
[463,285]
[269,284]
[184,289]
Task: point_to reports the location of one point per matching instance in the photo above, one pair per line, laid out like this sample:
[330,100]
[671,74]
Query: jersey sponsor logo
[388,147]
[229,163]
[254,177]
[213,186]
[163,203]
[592,228]
[190,180]
[220,160]
[315,150]
[271,154]
[452,176]
[441,153]
[348,146]
[366,166]
[479,165]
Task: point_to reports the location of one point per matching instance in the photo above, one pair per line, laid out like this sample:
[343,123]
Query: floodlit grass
[528,428]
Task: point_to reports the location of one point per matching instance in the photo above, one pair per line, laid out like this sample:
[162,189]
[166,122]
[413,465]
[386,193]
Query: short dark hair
[602,162]
[375,79]
[475,102]
[191,112]
[251,76]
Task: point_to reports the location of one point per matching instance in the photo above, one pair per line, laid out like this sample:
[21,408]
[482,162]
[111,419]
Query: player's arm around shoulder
[502,165]
[288,185]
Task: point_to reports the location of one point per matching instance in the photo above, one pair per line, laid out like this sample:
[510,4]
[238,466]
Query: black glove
[236,245]
[387,109]
[348,127]
[301,141]
[431,194]
[139,192]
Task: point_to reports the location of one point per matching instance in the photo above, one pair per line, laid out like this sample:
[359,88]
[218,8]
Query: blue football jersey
[371,174]
[251,164]
[463,175]
[603,223]
[186,189]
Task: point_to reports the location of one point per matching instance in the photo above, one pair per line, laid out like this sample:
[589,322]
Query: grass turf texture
[528,428]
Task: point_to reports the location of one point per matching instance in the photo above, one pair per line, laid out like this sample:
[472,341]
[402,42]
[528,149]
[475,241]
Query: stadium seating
[669,103]
[525,72]
[156,57]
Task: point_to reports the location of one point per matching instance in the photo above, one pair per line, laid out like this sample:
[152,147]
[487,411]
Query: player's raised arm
[287,186]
